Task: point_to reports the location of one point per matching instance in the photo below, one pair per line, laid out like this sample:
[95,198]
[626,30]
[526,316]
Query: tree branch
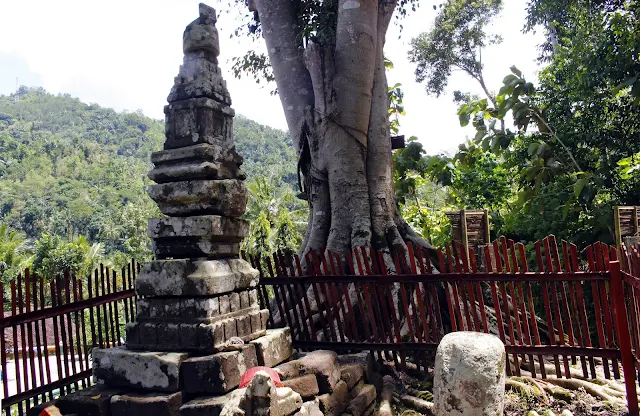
[282,35]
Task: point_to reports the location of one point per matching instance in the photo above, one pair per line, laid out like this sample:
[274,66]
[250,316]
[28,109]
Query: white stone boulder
[469,375]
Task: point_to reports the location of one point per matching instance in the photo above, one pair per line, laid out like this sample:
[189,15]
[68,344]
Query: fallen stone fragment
[351,374]
[469,375]
[362,401]
[335,403]
[324,364]
[306,386]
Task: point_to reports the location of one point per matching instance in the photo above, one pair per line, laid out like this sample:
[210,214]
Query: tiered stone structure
[199,325]
[198,294]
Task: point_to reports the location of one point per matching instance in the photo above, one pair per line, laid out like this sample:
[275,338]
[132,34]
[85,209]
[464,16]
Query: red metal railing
[50,326]
[565,311]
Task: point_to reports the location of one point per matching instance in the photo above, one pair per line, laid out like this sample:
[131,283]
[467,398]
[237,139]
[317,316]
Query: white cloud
[124,54]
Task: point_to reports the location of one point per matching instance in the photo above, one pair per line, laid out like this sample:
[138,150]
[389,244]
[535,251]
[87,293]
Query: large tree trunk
[336,104]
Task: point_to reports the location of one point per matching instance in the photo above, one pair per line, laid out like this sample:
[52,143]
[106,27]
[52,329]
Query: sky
[125,53]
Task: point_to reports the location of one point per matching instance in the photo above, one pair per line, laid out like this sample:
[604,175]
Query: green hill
[73,169]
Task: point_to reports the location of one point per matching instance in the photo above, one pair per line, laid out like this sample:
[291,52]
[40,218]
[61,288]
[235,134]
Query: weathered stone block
[217,373]
[306,386]
[274,347]
[285,402]
[206,226]
[137,404]
[469,375]
[360,403]
[199,76]
[290,369]
[168,335]
[244,299]
[324,364]
[188,335]
[264,317]
[187,277]
[94,401]
[225,306]
[243,326]
[155,371]
[310,408]
[230,329]
[195,121]
[365,359]
[234,302]
[335,403]
[351,374]
[256,322]
[212,406]
[226,197]
[198,37]
[132,333]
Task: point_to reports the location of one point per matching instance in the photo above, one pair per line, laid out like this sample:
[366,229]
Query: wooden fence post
[622,327]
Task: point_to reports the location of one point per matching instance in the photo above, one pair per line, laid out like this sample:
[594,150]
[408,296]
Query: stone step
[195,337]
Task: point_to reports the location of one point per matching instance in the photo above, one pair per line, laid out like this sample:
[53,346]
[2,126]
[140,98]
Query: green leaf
[509,79]
[516,71]
[579,185]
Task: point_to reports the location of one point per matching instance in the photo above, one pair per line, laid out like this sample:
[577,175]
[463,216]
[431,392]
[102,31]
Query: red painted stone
[248,376]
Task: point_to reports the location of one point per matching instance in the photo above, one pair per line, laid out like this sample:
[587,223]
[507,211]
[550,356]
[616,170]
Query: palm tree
[15,253]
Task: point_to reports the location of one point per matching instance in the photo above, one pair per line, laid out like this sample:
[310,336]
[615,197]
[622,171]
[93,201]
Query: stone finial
[207,14]
[201,34]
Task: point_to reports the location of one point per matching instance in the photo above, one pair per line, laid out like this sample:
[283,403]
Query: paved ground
[12,383]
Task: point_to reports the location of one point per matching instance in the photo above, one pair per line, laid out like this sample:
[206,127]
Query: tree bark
[336,103]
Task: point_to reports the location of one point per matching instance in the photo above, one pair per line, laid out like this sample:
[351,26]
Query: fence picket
[547,305]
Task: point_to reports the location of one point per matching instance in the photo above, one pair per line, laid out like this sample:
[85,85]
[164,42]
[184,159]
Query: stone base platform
[178,384]
[171,371]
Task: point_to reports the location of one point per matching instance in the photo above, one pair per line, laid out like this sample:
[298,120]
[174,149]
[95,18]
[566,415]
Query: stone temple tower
[199,325]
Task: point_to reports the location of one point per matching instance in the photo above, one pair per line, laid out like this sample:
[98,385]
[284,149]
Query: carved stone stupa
[199,325]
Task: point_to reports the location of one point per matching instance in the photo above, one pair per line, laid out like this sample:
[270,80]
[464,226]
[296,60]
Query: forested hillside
[70,170]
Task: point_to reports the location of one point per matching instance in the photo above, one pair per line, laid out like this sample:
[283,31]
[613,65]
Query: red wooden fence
[552,307]
[50,326]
